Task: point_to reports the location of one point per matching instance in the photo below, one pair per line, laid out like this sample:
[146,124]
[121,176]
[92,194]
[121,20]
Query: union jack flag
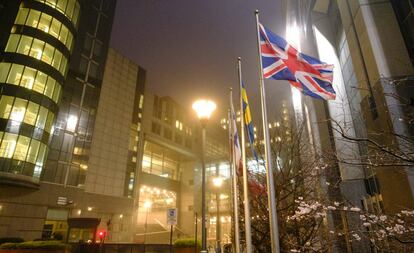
[281,61]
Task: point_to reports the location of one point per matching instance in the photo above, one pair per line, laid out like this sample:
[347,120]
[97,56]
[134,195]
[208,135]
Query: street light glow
[204,108]
[217,181]
[147,204]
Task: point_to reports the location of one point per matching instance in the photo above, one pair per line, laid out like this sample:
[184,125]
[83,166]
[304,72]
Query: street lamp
[218,182]
[204,108]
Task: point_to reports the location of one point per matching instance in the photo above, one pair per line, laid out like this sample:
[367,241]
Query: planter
[182,250]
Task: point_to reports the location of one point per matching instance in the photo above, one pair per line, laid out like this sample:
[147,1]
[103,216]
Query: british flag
[281,61]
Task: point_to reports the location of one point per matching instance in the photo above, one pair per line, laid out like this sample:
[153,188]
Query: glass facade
[17,110]
[160,161]
[70,8]
[404,10]
[37,49]
[69,149]
[31,79]
[46,23]
[32,91]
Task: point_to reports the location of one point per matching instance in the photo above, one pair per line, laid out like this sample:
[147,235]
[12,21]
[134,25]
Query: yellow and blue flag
[248,121]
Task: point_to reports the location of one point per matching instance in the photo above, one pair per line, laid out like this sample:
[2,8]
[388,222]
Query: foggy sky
[190,47]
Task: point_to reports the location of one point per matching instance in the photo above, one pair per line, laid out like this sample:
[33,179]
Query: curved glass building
[36,43]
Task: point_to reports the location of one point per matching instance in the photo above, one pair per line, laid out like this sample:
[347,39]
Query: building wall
[110,145]
[24,211]
[378,60]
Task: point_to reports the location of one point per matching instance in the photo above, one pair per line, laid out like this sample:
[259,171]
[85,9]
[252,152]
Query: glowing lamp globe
[204,108]
[217,181]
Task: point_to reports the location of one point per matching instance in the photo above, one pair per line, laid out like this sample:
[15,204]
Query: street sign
[172,216]
[62,201]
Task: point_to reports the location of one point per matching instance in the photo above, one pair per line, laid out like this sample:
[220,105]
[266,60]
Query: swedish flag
[248,121]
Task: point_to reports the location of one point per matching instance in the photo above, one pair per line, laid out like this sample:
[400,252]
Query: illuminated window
[31,113]
[46,23]
[32,19]
[70,8]
[141,101]
[160,161]
[31,79]
[19,110]
[27,80]
[21,16]
[6,104]
[41,119]
[32,152]
[4,70]
[37,49]
[8,145]
[21,148]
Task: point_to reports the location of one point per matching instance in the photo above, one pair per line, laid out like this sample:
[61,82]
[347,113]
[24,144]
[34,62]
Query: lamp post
[147,206]
[204,108]
[217,182]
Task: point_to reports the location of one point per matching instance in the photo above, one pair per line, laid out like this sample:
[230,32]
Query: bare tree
[304,182]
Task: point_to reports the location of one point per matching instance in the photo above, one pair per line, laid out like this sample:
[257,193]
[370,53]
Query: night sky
[190,47]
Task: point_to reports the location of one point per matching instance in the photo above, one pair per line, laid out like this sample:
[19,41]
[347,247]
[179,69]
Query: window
[47,54]
[31,113]
[37,49]
[8,145]
[30,79]
[41,119]
[27,80]
[70,8]
[32,152]
[167,134]
[160,161]
[55,28]
[178,138]
[15,74]
[21,148]
[12,43]
[33,18]
[97,50]
[4,70]
[21,16]
[46,23]
[141,101]
[156,128]
[20,110]
[6,104]
[93,70]
[40,82]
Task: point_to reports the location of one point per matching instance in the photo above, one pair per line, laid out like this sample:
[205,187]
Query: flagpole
[245,174]
[234,178]
[274,230]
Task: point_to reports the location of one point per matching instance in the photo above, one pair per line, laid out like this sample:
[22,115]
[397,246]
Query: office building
[373,78]
[69,146]
[169,172]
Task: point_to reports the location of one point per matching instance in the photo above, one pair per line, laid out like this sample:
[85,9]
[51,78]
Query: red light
[101,234]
